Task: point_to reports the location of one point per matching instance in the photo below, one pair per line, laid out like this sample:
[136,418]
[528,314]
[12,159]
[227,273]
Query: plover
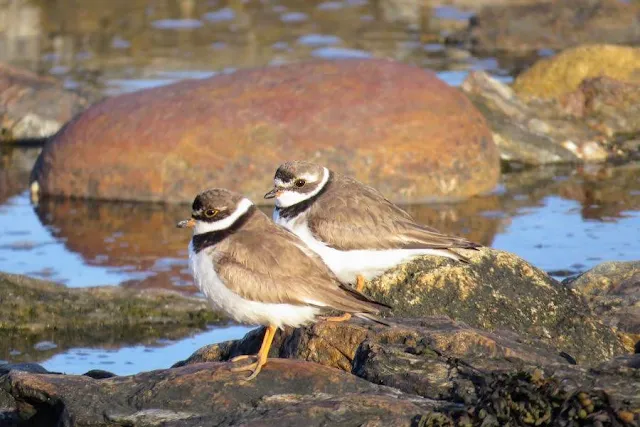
[358,232]
[260,273]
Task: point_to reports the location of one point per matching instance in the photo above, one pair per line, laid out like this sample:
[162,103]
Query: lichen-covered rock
[613,292]
[498,290]
[35,310]
[167,144]
[563,73]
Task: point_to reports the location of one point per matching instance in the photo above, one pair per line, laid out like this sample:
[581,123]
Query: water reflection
[142,238]
[143,40]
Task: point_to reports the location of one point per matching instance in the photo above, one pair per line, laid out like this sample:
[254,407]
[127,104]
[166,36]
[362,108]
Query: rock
[613,292]
[34,310]
[518,133]
[35,107]
[291,393]
[429,371]
[524,29]
[435,358]
[349,114]
[608,106]
[498,290]
[591,125]
[563,73]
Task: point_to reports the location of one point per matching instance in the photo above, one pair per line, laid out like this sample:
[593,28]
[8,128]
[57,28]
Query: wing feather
[281,272]
[357,216]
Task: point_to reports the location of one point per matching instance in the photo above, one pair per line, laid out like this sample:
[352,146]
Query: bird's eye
[300,183]
[210,213]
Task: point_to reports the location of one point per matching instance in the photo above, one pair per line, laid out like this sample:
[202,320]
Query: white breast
[346,265]
[238,308]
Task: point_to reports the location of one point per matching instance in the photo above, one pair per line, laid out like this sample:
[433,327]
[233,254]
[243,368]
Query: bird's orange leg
[261,357]
[359,283]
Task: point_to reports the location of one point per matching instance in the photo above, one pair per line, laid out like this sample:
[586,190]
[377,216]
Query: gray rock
[613,291]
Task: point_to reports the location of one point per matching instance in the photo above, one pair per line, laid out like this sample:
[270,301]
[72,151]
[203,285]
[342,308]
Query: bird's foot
[342,318]
[254,367]
[243,357]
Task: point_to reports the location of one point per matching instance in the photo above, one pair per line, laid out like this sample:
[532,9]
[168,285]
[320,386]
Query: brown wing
[273,267]
[356,216]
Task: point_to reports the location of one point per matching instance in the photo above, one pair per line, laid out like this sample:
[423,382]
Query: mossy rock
[498,290]
[34,310]
[563,73]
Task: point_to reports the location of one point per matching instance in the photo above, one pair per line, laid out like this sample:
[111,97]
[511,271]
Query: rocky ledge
[422,372]
[523,349]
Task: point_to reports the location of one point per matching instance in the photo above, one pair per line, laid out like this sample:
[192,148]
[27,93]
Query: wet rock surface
[498,290]
[35,107]
[526,28]
[206,131]
[595,123]
[41,318]
[613,291]
[288,393]
[429,371]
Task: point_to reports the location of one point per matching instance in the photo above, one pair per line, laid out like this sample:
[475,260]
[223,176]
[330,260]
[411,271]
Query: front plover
[260,273]
[358,232]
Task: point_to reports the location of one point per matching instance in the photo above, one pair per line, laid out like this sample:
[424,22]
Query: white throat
[205,227]
[289,198]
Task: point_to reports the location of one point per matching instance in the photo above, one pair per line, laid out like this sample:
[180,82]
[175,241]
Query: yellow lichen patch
[563,73]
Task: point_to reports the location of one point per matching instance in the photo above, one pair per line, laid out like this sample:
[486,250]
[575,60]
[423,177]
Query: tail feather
[372,318]
[362,297]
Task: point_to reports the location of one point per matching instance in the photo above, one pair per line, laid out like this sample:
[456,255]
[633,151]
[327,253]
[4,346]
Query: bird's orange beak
[187,223]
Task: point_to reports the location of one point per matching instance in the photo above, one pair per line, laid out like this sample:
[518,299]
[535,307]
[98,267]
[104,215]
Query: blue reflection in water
[139,358]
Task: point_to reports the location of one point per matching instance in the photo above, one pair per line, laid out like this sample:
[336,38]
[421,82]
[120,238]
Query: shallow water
[134,359]
[561,219]
[135,44]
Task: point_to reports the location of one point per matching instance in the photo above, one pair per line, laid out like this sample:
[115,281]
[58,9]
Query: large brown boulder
[394,126]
